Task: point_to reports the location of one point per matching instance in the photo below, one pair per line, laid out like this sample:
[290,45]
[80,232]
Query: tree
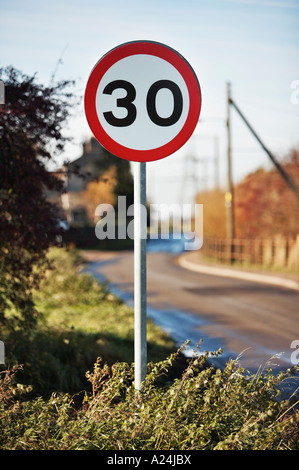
[265,205]
[100,191]
[214,212]
[31,134]
[122,182]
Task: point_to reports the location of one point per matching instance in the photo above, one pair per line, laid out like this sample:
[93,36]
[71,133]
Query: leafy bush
[204,409]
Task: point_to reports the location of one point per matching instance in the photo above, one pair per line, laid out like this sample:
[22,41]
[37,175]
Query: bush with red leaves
[31,134]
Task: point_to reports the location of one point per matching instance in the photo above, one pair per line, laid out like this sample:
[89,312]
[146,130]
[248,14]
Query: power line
[281,170]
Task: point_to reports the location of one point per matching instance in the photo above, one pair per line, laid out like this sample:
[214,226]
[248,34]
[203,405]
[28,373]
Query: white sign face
[150,70]
[142,101]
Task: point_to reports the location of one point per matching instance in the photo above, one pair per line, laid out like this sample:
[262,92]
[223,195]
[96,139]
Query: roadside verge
[192,262]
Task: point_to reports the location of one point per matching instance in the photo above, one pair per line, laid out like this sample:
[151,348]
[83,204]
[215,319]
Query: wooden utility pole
[216,161]
[229,196]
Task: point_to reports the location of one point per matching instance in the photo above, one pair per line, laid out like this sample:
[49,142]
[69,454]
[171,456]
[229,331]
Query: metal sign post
[142,103]
[140,227]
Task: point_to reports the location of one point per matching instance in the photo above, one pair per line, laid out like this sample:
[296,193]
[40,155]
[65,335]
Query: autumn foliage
[264,205]
[101,191]
[213,212]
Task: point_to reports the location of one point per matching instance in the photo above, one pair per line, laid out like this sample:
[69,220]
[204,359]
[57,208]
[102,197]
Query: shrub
[204,409]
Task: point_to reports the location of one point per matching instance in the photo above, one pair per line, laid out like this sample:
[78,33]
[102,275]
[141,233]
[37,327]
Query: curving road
[253,320]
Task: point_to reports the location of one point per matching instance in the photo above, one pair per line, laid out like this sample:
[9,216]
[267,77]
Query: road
[252,321]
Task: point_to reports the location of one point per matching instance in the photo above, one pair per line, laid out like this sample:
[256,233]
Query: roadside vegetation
[78,321]
[70,383]
[258,215]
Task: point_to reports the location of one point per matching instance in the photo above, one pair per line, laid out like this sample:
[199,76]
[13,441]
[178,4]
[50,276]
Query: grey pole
[140,346]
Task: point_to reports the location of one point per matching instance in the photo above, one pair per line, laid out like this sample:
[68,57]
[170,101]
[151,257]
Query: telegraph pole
[216,161]
[229,196]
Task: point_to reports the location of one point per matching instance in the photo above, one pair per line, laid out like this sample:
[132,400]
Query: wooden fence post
[279,251]
[268,252]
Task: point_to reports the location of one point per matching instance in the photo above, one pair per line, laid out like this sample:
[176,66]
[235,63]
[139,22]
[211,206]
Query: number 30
[127,103]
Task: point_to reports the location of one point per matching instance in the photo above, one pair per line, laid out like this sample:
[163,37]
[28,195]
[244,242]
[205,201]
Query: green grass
[72,301]
[80,320]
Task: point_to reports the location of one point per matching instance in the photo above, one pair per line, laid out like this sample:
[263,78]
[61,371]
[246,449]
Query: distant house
[89,165]
[80,172]
[94,161]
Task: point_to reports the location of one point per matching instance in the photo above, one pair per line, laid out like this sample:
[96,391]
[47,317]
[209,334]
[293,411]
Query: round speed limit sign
[142,101]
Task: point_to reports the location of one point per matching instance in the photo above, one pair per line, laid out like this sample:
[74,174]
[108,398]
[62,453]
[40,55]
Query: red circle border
[183,67]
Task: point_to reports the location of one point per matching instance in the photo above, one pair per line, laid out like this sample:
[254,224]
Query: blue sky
[252,44]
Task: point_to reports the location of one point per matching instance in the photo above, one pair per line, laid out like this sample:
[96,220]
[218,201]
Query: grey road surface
[248,320]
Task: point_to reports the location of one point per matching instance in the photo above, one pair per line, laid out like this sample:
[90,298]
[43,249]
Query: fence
[281,252]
